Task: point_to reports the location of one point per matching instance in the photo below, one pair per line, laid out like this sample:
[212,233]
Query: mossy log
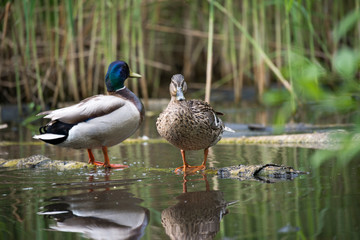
[40,161]
[326,139]
[316,140]
[267,172]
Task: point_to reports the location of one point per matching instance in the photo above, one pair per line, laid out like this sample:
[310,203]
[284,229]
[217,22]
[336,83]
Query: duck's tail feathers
[48,136]
[51,138]
[229,129]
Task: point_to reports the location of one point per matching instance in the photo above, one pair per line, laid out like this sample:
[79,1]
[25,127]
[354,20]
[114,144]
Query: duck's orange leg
[107,161]
[206,151]
[185,164]
[191,169]
[92,159]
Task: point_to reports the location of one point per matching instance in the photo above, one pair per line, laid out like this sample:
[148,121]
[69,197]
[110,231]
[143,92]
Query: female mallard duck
[189,124]
[99,121]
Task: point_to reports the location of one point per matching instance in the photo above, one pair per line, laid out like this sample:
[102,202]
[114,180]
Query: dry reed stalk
[209,52]
[103,46]
[71,71]
[140,46]
[80,46]
[5,18]
[97,72]
[32,50]
[233,58]
[262,67]
[261,52]
[259,32]
[224,50]
[243,52]
[113,29]
[278,36]
[189,41]
[151,56]
[183,31]
[59,22]
[91,59]
[5,24]
[70,49]
[289,51]
[311,28]
[17,78]
[21,46]
[134,11]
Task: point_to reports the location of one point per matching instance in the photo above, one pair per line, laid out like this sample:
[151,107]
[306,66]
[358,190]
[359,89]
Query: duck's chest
[184,130]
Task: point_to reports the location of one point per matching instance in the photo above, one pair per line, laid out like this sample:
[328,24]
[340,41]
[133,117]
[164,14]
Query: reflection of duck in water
[114,214]
[197,215]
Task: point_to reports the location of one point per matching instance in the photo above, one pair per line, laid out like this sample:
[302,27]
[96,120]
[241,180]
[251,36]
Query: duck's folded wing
[89,108]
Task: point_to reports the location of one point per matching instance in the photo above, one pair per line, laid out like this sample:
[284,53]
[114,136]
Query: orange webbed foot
[189,169]
[106,163]
[117,166]
[97,163]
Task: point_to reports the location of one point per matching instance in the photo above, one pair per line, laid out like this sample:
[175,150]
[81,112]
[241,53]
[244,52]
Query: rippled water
[149,201]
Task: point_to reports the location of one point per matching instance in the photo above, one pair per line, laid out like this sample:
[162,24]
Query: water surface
[148,201]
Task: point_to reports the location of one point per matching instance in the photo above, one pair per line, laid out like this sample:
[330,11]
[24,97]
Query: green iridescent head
[116,75]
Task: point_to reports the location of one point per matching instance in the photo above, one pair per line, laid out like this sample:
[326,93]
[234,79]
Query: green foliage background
[296,53]
[53,51]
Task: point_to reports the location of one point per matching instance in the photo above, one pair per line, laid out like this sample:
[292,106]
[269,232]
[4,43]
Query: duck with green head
[100,121]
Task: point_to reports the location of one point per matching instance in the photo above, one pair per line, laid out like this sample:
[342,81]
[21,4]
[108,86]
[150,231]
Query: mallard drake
[100,121]
[189,124]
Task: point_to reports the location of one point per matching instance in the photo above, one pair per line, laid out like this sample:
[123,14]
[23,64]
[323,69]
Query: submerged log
[266,172]
[40,161]
[331,140]
[324,139]
[327,137]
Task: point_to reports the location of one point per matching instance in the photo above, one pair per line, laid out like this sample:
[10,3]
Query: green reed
[65,47]
[209,52]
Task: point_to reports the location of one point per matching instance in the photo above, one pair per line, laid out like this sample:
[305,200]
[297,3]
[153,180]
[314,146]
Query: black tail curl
[42,129]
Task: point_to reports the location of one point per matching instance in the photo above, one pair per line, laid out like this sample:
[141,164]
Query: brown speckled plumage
[188,124]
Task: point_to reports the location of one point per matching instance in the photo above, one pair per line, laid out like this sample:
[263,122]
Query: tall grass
[209,52]
[60,51]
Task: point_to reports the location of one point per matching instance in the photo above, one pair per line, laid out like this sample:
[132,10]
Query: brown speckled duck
[189,124]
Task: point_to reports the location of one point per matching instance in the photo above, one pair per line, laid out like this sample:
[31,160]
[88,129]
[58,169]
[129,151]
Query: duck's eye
[184,87]
[173,88]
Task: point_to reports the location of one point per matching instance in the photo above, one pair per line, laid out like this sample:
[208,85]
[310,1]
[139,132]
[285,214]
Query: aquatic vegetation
[240,43]
[295,59]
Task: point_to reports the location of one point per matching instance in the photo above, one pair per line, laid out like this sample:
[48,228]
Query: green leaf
[321,156]
[288,5]
[275,97]
[346,24]
[345,63]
